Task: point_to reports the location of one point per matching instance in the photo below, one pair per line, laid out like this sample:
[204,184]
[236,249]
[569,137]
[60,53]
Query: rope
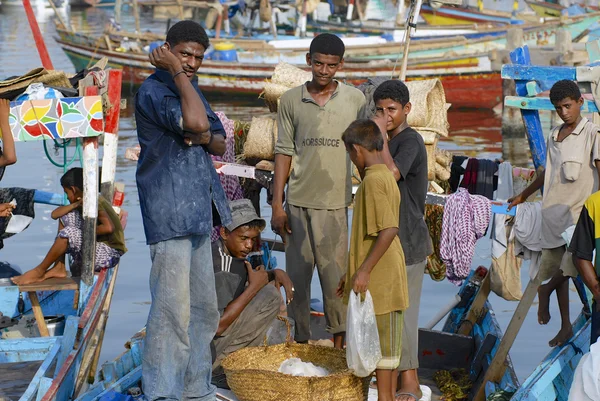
[98,42]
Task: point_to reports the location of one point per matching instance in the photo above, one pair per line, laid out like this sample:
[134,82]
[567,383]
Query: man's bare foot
[562,337]
[30,277]
[59,270]
[544,304]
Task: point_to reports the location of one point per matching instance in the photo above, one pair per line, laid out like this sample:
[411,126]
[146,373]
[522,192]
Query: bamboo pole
[60,18]
[118,6]
[411,23]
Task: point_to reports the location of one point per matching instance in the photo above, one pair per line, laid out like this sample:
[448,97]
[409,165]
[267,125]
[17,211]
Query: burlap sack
[262,136]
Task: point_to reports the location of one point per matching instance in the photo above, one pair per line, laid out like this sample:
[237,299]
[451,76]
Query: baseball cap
[242,213]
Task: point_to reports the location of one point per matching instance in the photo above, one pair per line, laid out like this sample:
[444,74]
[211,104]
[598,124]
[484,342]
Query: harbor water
[473,133]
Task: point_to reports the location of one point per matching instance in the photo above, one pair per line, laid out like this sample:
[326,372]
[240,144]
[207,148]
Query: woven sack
[261,139]
[252,374]
[429,108]
[38,75]
[272,92]
[430,138]
[311,5]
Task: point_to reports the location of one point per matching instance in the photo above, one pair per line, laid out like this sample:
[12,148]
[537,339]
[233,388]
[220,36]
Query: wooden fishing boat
[545,9]
[91,3]
[453,347]
[448,15]
[462,77]
[52,349]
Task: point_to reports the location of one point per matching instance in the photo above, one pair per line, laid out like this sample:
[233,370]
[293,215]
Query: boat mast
[411,25]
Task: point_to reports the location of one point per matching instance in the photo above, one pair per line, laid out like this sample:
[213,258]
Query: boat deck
[16,377]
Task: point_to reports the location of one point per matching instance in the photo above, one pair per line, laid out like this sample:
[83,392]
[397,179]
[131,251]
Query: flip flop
[408,394]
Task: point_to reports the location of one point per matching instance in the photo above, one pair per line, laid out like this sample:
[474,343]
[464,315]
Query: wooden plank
[476,307]
[31,391]
[52,284]
[518,71]
[486,347]
[37,312]
[543,103]
[531,118]
[111,133]
[497,366]
[123,383]
[45,384]
[441,350]
[93,301]
[593,50]
[67,341]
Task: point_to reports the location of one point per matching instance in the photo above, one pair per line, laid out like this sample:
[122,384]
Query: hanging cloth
[469,181]
[528,234]
[456,171]
[486,170]
[25,207]
[466,218]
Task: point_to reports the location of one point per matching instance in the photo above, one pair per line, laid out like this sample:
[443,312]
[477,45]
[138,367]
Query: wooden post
[60,18]
[37,36]
[180,8]
[219,24]
[37,312]
[497,367]
[111,133]
[136,15]
[514,142]
[118,6]
[90,208]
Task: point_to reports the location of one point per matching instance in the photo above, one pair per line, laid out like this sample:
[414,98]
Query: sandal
[408,394]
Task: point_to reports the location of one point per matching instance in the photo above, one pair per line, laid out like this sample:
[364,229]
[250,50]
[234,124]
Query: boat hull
[466,85]
[545,9]
[455,16]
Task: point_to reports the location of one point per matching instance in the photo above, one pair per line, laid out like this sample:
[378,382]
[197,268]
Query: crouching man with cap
[248,304]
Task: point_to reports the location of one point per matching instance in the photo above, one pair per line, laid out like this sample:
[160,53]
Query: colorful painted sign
[33,120]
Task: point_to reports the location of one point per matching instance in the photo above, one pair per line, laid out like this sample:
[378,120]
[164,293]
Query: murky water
[476,133]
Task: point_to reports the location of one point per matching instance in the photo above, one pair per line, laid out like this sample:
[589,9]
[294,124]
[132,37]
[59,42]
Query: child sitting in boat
[110,239]
[376,260]
[8,154]
[570,177]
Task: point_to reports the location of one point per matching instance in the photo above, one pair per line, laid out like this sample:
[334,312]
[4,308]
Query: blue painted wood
[543,103]
[553,381]
[136,353]
[9,298]
[533,89]
[92,393]
[127,361]
[68,341]
[48,198]
[531,118]
[29,394]
[25,349]
[593,50]
[109,372]
[45,384]
[124,383]
[545,76]
[52,302]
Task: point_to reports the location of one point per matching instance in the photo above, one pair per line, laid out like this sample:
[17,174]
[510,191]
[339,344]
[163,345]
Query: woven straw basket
[252,373]
[261,139]
[38,75]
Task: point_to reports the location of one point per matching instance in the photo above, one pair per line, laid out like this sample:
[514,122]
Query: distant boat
[91,3]
[448,15]
[545,9]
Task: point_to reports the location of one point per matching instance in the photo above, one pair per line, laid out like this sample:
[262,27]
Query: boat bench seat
[51,284]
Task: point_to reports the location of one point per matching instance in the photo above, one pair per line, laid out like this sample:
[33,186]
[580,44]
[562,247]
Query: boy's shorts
[389,326]
[556,259]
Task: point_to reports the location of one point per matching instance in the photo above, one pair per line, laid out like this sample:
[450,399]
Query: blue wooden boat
[52,330]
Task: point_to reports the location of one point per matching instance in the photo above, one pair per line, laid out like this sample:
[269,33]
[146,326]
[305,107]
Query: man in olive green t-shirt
[314,224]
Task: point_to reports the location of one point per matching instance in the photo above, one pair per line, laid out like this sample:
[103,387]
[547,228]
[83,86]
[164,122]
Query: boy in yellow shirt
[376,260]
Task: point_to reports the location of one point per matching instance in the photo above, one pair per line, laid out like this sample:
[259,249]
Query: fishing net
[454,384]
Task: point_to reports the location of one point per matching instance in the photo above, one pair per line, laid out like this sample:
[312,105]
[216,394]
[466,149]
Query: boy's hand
[360,281]
[258,278]
[515,200]
[162,58]
[282,279]
[4,109]
[381,119]
[279,223]
[6,209]
[340,288]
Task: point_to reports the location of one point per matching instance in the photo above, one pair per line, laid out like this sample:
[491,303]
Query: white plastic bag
[363,351]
